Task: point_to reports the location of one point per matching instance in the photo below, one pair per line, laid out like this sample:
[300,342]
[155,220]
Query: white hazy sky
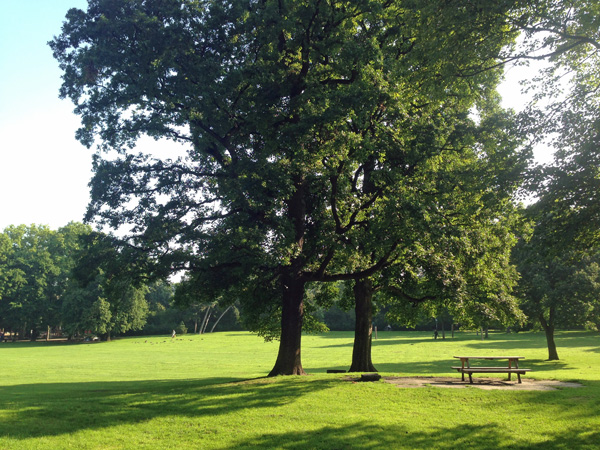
[44,171]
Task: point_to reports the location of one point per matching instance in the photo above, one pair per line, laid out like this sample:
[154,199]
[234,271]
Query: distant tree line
[70,282]
[73,282]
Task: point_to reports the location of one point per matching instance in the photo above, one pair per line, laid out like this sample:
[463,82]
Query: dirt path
[480,383]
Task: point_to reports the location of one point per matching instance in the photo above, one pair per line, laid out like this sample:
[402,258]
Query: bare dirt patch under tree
[480,383]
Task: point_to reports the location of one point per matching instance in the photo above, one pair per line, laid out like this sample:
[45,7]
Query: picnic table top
[490,357]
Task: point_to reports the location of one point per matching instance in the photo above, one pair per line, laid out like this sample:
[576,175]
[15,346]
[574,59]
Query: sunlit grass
[208,392]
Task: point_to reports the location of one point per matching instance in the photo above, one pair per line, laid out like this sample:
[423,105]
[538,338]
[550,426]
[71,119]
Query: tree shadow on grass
[424,368]
[382,336]
[431,367]
[361,436]
[19,345]
[393,341]
[538,339]
[497,340]
[61,408]
[32,411]
[540,346]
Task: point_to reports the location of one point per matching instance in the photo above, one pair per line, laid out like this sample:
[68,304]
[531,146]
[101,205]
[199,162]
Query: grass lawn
[208,392]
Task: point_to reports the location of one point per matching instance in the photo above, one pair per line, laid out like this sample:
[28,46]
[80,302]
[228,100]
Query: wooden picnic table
[513,366]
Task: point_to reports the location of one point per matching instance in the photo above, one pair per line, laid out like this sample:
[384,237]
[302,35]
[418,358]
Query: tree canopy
[565,112]
[102,299]
[311,128]
[70,280]
[558,262]
[560,284]
[35,266]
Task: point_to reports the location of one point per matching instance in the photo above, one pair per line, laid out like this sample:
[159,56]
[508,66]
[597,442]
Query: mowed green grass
[209,392]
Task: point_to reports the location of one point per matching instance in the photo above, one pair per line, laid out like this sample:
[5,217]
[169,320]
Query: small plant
[181,328]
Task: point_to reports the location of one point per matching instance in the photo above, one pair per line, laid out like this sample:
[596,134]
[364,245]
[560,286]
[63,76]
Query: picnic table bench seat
[491,369]
[465,368]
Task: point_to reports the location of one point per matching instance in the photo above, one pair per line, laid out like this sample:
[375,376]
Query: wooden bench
[513,366]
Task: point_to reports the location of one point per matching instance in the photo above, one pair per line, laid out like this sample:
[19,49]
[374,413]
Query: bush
[181,328]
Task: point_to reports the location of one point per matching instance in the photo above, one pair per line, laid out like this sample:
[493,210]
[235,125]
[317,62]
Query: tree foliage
[559,285]
[558,263]
[311,129]
[35,265]
[103,299]
[71,279]
[565,33]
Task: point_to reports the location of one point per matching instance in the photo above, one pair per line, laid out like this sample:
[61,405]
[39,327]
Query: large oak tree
[305,124]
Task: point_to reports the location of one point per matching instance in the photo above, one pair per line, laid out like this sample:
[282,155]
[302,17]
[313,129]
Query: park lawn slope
[204,392]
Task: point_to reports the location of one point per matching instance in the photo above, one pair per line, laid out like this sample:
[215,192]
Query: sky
[44,171]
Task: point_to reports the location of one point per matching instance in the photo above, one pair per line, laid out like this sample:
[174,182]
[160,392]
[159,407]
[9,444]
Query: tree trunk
[289,361]
[220,317]
[363,298]
[443,330]
[552,352]
[203,324]
[549,329]
[206,323]
[292,313]
[363,307]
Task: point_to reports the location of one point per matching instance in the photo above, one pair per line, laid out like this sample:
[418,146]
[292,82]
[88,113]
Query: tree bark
[220,317]
[204,320]
[289,360]
[363,307]
[549,330]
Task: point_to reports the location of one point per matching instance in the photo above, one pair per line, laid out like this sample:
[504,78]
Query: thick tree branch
[380,264]
[400,293]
